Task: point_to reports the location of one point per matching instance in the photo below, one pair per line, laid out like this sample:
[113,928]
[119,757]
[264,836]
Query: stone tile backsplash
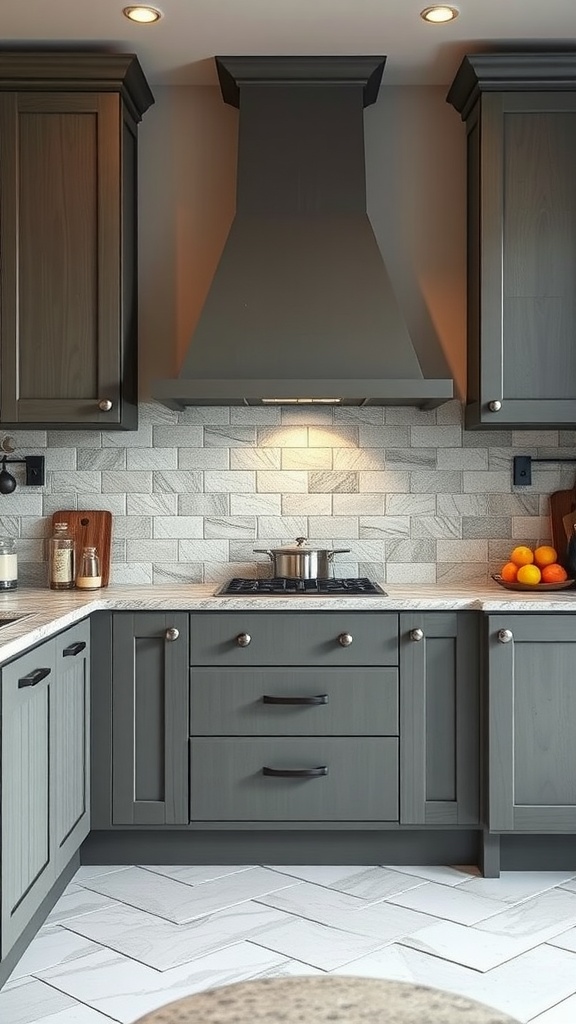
[416,498]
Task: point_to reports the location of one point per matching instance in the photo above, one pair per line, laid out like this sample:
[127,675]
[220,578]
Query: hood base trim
[424,394]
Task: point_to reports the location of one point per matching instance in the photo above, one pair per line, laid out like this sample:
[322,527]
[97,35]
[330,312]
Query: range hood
[301,308]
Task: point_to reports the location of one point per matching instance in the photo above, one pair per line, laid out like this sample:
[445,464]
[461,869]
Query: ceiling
[179,49]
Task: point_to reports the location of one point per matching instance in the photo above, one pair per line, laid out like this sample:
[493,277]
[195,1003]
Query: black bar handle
[33,678]
[73,649]
[322,698]
[296,773]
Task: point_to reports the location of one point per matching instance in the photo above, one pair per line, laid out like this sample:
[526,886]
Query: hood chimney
[301,308]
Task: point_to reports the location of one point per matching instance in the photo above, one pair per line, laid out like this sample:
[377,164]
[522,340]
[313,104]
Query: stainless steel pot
[297,562]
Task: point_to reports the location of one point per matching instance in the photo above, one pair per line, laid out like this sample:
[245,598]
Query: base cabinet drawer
[294,638]
[294,702]
[227,781]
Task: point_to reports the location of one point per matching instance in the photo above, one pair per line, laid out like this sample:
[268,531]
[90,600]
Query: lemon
[529,574]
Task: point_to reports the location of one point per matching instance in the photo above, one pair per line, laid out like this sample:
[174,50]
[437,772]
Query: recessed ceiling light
[439,14]
[143,15]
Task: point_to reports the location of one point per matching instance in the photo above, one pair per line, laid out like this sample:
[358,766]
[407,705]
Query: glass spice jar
[8,564]
[61,558]
[89,576]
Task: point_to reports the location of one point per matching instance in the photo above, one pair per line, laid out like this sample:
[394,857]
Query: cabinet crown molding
[520,72]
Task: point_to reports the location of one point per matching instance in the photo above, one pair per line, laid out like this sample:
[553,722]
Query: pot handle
[263,551]
[338,551]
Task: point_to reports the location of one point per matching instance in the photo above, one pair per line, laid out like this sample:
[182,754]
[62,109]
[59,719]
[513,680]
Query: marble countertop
[45,612]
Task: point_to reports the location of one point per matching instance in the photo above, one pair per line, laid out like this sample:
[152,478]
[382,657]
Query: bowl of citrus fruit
[533,569]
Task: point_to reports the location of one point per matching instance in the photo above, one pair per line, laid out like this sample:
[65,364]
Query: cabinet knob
[104,405]
[495,406]
[172,633]
[505,636]
[416,634]
[345,639]
[243,639]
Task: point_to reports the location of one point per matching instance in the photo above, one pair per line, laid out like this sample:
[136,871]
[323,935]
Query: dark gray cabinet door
[532,723]
[521,243]
[149,719]
[71,741]
[67,240]
[27,788]
[439,721]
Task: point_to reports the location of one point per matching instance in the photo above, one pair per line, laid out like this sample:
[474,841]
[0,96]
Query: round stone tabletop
[324,1000]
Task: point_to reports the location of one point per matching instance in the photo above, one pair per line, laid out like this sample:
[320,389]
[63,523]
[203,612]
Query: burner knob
[243,639]
[345,639]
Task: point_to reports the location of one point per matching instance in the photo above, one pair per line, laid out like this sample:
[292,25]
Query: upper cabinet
[68,284]
[520,114]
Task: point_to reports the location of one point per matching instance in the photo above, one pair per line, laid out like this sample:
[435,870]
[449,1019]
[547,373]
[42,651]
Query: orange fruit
[509,572]
[554,573]
[522,555]
[545,555]
[529,574]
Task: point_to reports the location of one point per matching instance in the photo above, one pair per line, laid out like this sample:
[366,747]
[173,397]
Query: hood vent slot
[301,307]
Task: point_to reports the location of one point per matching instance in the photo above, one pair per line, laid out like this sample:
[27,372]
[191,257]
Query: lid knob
[300,541]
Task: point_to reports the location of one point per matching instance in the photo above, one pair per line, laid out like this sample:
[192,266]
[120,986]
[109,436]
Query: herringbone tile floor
[124,940]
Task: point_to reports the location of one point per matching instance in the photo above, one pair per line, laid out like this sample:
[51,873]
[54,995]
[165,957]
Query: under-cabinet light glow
[301,401]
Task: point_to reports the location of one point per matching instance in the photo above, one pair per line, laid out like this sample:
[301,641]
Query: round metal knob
[104,405]
[505,636]
[345,639]
[495,406]
[172,633]
[243,639]
[416,634]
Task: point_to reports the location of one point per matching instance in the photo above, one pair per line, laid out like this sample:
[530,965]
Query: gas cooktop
[282,586]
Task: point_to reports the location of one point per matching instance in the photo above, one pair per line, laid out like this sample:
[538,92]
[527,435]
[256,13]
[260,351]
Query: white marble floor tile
[468,946]
[515,886]
[29,1001]
[52,945]
[523,987]
[162,944]
[370,884]
[180,903]
[449,902]
[540,918]
[443,875]
[565,940]
[317,945]
[124,989]
[312,901]
[94,870]
[77,1014]
[77,903]
[195,874]
[570,885]
[290,969]
[562,1013]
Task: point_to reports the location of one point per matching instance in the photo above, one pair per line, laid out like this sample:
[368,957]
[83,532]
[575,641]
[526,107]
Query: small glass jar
[8,564]
[88,576]
[61,558]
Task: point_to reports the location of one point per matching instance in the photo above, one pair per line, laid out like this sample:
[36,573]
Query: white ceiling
[179,48]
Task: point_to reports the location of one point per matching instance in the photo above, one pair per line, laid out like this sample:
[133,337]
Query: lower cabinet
[532,723]
[44,772]
[439,718]
[149,718]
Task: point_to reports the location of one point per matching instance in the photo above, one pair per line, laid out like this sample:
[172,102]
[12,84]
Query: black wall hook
[35,472]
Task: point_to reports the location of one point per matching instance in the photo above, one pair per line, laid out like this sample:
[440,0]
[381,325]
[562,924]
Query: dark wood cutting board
[561,503]
[90,529]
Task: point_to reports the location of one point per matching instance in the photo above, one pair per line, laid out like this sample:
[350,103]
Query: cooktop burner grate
[280,585]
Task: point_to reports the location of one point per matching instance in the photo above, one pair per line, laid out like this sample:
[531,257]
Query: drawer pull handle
[296,773]
[345,639]
[172,633]
[33,678]
[73,649]
[322,698]
[243,639]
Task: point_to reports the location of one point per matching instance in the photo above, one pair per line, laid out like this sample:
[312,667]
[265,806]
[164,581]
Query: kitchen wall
[414,497]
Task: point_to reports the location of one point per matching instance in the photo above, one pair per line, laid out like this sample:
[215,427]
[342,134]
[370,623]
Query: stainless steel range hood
[301,308]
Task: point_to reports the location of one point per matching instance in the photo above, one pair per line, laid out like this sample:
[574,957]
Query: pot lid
[299,547]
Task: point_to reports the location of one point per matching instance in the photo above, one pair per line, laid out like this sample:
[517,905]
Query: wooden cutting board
[561,503]
[90,529]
